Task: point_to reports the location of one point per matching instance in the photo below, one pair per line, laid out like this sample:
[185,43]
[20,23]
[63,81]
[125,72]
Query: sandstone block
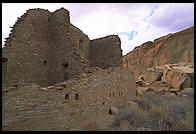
[58,88]
[113,111]
[152,75]
[178,77]
[45,89]
[141,90]
[50,87]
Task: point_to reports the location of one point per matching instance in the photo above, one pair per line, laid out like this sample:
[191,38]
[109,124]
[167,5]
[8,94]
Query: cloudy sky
[134,23]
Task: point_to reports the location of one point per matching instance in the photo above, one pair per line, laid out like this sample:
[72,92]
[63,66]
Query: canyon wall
[172,48]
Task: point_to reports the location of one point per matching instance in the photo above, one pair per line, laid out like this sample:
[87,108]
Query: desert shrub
[159,112]
[91,126]
[133,115]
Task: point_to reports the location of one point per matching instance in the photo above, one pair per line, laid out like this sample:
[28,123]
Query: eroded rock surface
[175,78]
[170,49]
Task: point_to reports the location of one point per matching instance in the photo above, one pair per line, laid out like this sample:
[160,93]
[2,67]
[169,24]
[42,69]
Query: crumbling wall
[65,48]
[106,52]
[80,42]
[4,70]
[26,48]
[60,46]
[102,88]
[45,48]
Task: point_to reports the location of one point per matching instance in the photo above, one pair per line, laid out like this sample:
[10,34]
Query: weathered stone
[171,94]
[59,50]
[172,48]
[45,89]
[159,86]
[151,76]
[58,88]
[179,94]
[174,90]
[113,111]
[188,91]
[50,87]
[178,77]
[141,90]
[141,77]
[143,129]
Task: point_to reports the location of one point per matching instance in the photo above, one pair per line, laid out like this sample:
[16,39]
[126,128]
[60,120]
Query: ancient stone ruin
[45,48]
[55,78]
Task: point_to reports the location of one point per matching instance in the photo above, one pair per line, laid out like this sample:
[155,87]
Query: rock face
[175,78]
[172,48]
[45,48]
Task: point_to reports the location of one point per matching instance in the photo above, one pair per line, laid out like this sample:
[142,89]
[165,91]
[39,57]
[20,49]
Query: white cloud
[102,19]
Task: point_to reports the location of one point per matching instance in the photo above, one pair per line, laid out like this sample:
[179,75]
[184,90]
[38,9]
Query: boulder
[179,77]
[188,92]
[141,90]
[159,86]
[113,111]
[152,75]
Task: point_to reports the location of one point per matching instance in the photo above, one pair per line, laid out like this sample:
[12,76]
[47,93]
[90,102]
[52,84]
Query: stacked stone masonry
[45,48]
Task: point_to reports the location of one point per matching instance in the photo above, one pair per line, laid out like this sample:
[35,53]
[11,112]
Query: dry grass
[91,126]
[158,112]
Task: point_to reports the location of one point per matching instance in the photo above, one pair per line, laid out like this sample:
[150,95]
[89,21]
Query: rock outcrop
[175,78]
[170,49]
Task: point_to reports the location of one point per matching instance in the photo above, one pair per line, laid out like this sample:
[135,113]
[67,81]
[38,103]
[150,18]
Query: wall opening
[80,41]
[66,96]
[65,64]
[76,96]
[110,111]
[4,59]
[66,74]
[45,61]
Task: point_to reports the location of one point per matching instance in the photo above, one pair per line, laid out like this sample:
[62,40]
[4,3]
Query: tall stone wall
[65,47]
[45,48]
[172,48]
[106,52]
[60,46]
[80,42]
[26,48]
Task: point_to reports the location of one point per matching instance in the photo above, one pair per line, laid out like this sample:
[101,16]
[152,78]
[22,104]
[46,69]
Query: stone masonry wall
[26,48]
[80,42]
[65,48]
[45,48]
[106,52]
[60,46]
[100,89]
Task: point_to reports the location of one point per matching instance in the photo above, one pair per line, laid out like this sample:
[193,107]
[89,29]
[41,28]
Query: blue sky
[130,35]
[134,23]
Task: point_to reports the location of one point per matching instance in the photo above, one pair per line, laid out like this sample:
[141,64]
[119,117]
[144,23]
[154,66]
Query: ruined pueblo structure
[45,48]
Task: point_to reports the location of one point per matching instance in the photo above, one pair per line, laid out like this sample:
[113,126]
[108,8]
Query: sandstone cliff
[172,48]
